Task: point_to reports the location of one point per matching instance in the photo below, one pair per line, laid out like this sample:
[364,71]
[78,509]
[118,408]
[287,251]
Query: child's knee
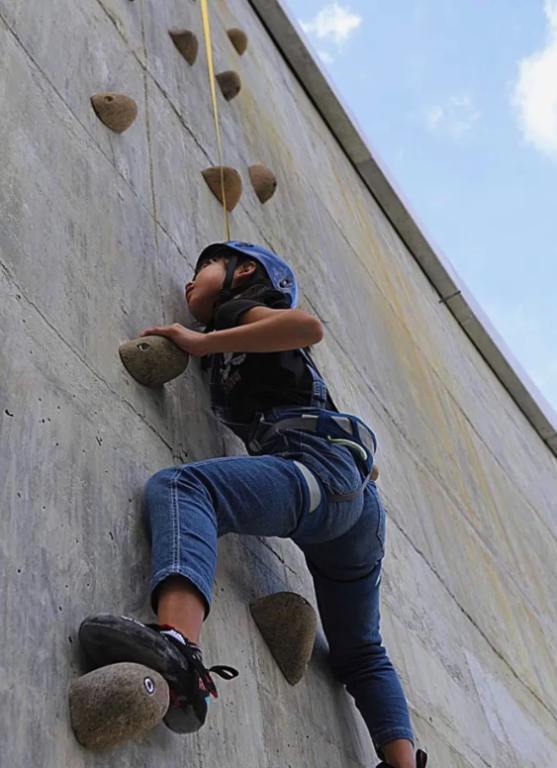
[155,492]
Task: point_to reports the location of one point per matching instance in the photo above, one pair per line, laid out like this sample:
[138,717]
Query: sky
[459,100]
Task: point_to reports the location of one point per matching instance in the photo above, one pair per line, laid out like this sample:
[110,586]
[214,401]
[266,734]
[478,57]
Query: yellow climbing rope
[209,49]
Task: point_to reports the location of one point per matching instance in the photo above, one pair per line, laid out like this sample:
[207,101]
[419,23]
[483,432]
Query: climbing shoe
[421,760]
[109,639]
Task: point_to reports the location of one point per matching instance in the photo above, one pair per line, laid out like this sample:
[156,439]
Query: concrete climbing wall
[98,233]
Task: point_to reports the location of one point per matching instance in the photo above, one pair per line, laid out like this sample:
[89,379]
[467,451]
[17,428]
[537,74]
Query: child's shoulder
[263,294]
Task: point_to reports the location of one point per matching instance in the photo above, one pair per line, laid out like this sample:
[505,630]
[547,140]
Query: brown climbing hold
[232,185]
[116,703]
[288,623]
[186,42]
[374,472]
[239,40]
[115,110]
[264,182]
[153,360]
[230,84]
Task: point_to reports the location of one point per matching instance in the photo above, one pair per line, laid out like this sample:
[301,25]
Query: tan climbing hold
[115,110]
[117,703]
[288,623]
[232,185]
[239,40]
[374,472]
[186,42]
[230,84]
[264,182]
[153,360]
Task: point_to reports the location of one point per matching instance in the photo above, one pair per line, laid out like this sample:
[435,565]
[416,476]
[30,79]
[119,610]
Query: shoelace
[192,653]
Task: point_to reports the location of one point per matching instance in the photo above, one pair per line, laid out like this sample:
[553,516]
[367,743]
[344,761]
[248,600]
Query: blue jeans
[188,507]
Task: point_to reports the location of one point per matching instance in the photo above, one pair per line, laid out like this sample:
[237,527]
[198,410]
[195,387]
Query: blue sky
[459,98]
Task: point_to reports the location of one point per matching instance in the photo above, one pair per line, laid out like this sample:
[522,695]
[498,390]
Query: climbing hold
[230,84]
[239,40]
[116,703]
[374,472]
[264,182]
[186,42]
[288,623]
[153,360]
[232,185]
[115,110]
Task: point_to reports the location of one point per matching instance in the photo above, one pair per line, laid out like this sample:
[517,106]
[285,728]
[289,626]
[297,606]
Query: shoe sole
[109,639]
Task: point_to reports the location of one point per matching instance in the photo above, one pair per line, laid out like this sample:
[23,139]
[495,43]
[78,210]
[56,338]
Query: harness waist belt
[355,435]
[312,423]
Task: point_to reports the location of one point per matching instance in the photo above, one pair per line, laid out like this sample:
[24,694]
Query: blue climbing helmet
[279,273]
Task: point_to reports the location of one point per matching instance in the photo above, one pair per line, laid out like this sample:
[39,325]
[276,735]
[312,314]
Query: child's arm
[261,330]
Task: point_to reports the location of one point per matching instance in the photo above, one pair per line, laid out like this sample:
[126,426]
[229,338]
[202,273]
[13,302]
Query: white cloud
[535,92]
[325,57]
[334,22]
[433,115]
[454,118]
[461,101]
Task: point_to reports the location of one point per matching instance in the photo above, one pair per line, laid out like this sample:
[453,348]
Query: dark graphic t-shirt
[244,385]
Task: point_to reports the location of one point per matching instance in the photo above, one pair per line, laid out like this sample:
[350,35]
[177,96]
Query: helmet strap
[230,269]
[227,291]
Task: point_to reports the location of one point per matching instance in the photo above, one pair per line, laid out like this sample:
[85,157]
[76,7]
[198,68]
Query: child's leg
[182,606]
[350,615]
[188,507]
[347,574]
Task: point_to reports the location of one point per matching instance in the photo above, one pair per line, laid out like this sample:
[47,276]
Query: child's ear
[245,270]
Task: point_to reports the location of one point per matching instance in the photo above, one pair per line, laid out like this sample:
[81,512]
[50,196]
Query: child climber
[307,477]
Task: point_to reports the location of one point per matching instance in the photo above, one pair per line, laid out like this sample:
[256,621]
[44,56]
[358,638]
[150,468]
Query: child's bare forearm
[275,331]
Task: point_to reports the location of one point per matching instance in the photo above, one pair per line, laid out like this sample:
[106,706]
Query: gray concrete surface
[98,233]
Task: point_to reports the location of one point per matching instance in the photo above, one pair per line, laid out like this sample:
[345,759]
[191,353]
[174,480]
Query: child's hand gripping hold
[261,330]
[192,342]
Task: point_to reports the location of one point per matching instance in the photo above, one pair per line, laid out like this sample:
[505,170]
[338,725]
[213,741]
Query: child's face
[202,293]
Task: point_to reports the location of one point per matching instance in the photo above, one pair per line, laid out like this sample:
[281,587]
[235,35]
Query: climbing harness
[338,428]
[319,393]
[210,66]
